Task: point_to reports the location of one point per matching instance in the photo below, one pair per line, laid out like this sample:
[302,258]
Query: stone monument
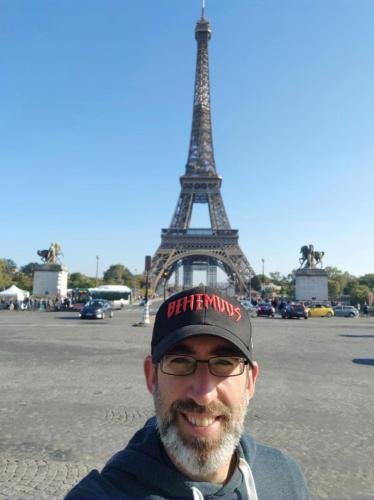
[311,282]
[51,277]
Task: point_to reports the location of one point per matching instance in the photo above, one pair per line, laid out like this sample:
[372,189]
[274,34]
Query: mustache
[211,410]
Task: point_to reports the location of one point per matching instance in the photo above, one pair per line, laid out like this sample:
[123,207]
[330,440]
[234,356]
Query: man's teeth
[200,421]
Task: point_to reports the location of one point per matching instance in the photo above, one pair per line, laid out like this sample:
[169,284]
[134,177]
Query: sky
[95,119]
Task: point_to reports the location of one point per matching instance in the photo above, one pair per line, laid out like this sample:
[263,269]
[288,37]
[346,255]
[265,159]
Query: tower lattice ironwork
[194,248]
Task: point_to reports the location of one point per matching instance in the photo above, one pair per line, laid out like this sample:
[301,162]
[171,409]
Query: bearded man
[202,375]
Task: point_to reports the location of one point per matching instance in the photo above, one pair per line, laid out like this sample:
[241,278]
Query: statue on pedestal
[50,278]
[51,256]
[310,257]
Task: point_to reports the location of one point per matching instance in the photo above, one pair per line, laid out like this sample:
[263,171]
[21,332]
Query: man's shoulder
[254,451]
[277,475]
[121,476]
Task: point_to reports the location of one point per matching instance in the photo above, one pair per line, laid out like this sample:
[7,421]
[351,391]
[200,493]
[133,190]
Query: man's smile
[199,420]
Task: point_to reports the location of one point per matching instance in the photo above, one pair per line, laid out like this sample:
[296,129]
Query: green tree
[118,274]
[367,279]
[7,270]
[359,294]
[23,281]
[334,288]
[29,268]
[276,278]
[339,282]
[138,281]
[256,282]
[78,280]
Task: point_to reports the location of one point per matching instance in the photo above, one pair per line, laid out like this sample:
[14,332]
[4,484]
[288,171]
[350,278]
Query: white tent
[14,293]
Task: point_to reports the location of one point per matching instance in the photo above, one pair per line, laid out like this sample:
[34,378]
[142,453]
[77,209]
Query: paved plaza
[72,393]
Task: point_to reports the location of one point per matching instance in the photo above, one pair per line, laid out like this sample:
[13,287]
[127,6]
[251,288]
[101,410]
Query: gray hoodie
[143,470]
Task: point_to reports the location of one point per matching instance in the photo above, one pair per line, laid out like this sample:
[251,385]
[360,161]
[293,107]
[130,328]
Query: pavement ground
[73,393]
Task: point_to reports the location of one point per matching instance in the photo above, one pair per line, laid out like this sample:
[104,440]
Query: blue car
[96,309]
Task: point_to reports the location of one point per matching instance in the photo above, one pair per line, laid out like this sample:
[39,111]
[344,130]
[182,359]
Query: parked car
[96,309]
[247,304]
[320,310]
[265,309]
[295,311]
[346,311]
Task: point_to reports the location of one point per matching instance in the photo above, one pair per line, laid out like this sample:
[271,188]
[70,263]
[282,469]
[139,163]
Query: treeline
[22,277]
[358,289]
[340,284]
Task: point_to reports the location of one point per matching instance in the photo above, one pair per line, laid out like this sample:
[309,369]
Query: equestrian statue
[51,256]
[310,257]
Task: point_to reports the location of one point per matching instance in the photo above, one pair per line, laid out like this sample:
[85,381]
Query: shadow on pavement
[352,335]
[74,318]
[363,361]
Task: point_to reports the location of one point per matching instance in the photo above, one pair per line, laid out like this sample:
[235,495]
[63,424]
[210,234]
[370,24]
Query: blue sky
[96,108]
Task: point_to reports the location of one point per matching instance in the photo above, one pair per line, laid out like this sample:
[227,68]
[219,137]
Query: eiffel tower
[201,248]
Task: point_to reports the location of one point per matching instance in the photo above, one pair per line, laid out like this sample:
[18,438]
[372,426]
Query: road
[72,393]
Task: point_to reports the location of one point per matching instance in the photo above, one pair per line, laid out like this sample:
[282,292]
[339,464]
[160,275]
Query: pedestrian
[202,374]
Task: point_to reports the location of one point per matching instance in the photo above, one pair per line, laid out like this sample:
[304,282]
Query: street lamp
[250,287]
[263,273]
[97,269]
[148,260]
[165,275]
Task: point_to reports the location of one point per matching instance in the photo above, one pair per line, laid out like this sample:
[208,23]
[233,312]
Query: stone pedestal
[311,284]
[50,281]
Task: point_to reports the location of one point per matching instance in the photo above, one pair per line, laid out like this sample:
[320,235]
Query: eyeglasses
[220,366]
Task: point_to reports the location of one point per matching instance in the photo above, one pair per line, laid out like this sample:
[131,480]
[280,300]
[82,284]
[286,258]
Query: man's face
[201,416]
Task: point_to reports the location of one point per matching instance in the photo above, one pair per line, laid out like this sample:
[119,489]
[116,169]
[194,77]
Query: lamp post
[263,273]
[97,269]
[146,303]
[165,275]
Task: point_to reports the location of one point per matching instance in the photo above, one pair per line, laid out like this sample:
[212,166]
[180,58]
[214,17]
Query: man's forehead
[209,342]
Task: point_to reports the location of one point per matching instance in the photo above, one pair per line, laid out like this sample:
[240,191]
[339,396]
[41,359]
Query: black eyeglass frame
[243,363]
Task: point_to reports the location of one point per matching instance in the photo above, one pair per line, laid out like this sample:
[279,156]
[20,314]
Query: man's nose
[202,387]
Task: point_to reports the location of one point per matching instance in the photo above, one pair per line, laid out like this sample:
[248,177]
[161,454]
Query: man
[202,375]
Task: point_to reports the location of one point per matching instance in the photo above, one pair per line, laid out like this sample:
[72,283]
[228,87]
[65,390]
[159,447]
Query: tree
[7,270]
[29,268]
[339,282]
[334,288]
[359,294]
[256,283]
[276,278]
[23,281]
[118,274]
[78,280]
[10,265]
[367,279]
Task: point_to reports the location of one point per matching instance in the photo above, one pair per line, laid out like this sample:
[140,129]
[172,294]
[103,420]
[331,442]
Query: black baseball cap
[201,311]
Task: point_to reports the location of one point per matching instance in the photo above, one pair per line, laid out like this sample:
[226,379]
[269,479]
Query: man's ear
[252,376]
[150,374]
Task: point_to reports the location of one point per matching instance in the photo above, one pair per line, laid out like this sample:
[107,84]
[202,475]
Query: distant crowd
[36,304]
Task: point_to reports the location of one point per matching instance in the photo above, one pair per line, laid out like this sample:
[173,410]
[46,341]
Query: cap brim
[188,331]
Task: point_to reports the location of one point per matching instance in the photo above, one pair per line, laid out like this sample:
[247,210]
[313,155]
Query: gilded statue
[51,256]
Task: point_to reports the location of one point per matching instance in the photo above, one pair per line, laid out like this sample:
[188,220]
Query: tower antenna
[203,10]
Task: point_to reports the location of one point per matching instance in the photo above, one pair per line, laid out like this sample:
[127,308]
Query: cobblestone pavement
[72,393]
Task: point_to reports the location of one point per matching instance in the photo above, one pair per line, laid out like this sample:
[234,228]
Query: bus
[117,295]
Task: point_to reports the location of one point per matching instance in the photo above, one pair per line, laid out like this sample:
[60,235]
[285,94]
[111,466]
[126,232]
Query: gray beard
[200,456]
